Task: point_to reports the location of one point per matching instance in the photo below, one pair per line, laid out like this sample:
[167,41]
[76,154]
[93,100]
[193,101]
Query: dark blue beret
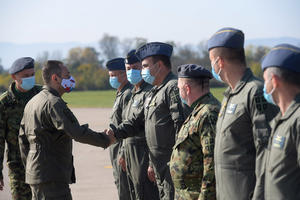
[116,64]
[21,64]
[284,56]
[154,48]
[131,57]
[227,37]
[193,71]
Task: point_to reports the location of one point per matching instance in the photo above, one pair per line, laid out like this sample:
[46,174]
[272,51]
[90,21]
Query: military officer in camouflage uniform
[46,132]
[281,68]
[192,163]
[243,123]
[164,114]
[118,80]
[136,152]
[12,103]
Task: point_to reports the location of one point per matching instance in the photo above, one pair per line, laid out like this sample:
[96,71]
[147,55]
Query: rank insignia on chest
[278,141]
[231,108]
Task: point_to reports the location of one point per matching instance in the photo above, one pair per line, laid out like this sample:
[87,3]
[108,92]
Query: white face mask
[68,84]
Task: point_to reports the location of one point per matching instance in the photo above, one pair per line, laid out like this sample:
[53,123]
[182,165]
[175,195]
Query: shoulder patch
[260,102]
[174,95]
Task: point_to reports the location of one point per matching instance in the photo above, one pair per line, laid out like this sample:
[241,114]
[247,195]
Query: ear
[221,62]
[53,77]
[188,89]
[13,76]
[275,81]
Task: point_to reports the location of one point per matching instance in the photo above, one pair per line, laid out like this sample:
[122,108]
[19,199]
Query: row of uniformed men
[224,153]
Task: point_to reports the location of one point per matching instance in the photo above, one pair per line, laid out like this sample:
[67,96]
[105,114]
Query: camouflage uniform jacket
[11,112]
[192,165]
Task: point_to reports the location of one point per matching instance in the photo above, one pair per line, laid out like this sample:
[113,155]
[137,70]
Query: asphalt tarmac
[92,164]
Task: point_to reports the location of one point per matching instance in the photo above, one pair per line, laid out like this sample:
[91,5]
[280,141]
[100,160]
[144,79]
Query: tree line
[87,64]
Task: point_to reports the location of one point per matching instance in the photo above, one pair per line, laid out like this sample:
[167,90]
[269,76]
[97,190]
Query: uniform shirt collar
[51,90]
[292,108]
[247,75]
[140,89]
[128,85]
[167,78]
[201,100]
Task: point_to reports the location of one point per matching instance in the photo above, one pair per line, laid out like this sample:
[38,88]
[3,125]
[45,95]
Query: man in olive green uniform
[281,68]
[243,123]
[12,103]
[46,132]
[192,163]
[164,113]
[118,80]
[136,152]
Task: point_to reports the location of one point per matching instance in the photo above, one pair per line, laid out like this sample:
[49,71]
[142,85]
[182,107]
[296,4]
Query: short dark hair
[234,55]
[287,76]
[165,59]
[51,67]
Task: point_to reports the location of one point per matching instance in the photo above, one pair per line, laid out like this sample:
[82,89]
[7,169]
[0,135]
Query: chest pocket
[188,128]
[282,153]
[235,117]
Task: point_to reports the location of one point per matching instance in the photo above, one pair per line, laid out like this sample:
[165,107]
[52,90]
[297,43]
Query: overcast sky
[187,21]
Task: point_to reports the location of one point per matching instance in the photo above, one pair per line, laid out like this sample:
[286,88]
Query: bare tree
[109,46]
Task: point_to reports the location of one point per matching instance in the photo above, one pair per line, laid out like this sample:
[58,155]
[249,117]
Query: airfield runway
[92,164]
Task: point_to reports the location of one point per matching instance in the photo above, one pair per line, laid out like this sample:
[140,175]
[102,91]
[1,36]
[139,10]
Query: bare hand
[1,184]
[111,136]
[122,163]
[151,174]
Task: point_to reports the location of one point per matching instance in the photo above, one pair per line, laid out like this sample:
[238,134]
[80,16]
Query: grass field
[105,99]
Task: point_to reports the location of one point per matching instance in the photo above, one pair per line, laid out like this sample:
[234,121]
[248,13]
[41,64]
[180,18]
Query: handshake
[111,136]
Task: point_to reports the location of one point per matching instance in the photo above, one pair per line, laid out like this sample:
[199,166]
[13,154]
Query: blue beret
[21,64]
[131,57]
[193,71]
[227,37]
[154,48]
[116,64]
[284,56]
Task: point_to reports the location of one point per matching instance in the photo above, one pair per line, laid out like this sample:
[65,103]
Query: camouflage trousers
[51,191]
[19,189]
[186,195]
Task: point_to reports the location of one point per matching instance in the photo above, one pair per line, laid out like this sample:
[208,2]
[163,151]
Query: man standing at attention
[281,67]
[118,80]
[46,134]
[136,151]
[164,114]
[12,103]
[192,163]
[243,123]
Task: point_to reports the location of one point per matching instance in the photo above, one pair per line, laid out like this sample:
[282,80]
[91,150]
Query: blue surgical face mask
[113,81]
[134,76]
[183,100]
[268,96]
[28,83]
[216,75]
[147,76]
